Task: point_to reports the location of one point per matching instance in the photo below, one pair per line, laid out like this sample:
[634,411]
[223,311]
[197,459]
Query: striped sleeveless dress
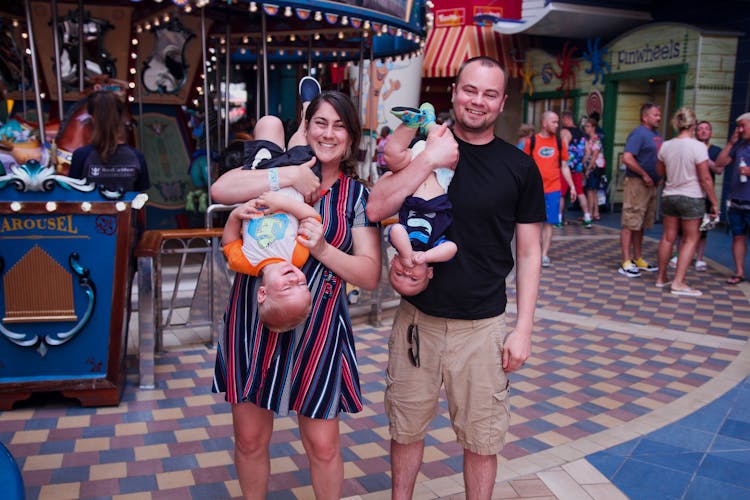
[311,370]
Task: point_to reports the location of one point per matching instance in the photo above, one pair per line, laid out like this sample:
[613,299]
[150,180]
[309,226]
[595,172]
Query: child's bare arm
[277,202]
[440,253]
[233,226]
[399,238]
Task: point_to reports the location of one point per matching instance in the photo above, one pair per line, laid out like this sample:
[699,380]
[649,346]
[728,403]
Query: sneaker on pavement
[629,269]
[587,224]
[545,261]
[673,262]
[700,265]
[309,88]
[645,266]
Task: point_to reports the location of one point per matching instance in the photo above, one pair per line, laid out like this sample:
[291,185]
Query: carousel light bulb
[269,39]
[28,52]
[292,37]
[340,35]
[316,36]
[366,25]
[253,7]
[131,98]
[15,206]
[157,22]
[288,67]
[399,32]
[318,15]
[195,102]
[317,53]
[133,55]
[43,95]
[365,34]
[222,41]
[134,41]
[333,53]
[281,52]
[148,26]
[120,206]
[166,18]
[245,40]
[139,29]
[255,67]
[86,206]
[243,51]
[131,85]
[51,206]
[344,21]
[132,71]
[273,67]
[384,29]
[188,9]
[15,23]
[24,35]
[288,11]
[299,53]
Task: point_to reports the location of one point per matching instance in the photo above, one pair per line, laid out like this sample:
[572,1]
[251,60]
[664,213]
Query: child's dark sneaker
[309,89]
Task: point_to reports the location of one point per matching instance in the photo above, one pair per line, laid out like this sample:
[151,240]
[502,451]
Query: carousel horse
[165,70]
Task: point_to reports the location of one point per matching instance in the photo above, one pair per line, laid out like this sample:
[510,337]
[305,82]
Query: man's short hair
[646,107]
[743,117]
[483,61]
[568,114]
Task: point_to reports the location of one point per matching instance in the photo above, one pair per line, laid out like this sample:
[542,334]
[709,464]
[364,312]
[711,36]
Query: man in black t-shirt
[454,332]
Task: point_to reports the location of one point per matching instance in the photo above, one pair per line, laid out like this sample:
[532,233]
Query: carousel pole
[257,81]
[264,34]
[206,101]
[81,62]
[23,82]
[227,62]
[208,221]
[309,56]
[35,74]
[140,103]
[58,74]
[361,73]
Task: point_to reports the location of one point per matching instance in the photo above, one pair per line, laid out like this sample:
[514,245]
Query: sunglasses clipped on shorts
[412,336]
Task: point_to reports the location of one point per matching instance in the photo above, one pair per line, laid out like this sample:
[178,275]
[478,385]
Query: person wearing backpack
[550,154]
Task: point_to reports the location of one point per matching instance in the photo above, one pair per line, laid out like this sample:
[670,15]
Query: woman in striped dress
[311,370]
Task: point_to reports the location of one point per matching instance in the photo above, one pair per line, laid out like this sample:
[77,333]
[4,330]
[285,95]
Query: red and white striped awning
[446,48]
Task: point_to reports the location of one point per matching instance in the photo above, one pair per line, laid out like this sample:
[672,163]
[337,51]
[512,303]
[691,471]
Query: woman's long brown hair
[106,110]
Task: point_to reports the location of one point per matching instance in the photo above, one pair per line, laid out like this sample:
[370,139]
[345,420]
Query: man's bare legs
[479,475]
[406,460]
[479,471]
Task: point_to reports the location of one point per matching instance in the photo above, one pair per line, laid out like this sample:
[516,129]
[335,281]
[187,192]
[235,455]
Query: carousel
[195,75]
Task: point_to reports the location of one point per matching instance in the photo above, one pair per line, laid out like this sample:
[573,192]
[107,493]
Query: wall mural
[97,61]
[165,70]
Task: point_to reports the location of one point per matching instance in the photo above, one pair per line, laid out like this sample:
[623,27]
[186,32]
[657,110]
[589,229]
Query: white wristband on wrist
[273,179]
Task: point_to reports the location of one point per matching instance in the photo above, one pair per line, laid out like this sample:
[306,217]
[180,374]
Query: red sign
[462,12]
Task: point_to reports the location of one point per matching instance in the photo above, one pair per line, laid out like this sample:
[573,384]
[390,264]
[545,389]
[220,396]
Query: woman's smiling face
[327,135]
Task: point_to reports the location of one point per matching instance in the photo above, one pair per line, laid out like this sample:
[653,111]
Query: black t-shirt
[125,169]
[495,186]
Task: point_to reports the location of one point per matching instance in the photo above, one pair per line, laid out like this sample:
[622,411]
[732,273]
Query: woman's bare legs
[252,436]
[322,445]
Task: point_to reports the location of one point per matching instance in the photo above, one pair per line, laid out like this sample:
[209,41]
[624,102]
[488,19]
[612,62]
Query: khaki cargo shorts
[638,204]
[463,355]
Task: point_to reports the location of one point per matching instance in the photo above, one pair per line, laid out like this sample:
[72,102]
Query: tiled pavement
[630,392]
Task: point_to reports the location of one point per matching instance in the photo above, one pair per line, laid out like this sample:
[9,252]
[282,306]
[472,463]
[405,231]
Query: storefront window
[536,107]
